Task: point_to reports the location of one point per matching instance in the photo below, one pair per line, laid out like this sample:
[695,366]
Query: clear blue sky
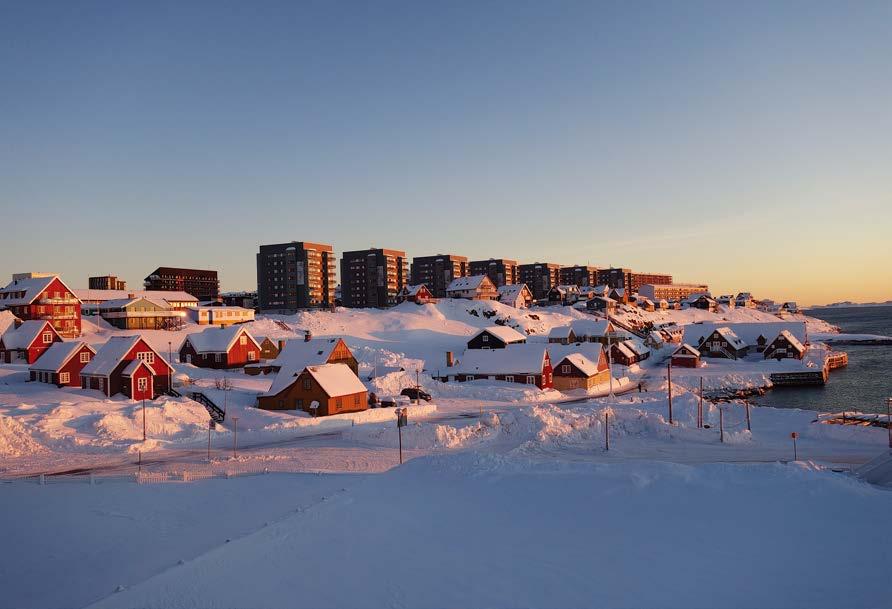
[746,145]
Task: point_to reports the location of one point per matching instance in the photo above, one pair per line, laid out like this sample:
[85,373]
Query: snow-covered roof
[508,294]
[747,331]
[618,291]
[121,303]
[24,335]
[466,283]
[590,327]
[112,352]
[513,359]
[560,332]
[794,342]
[55,358]
[133,366]
[566,288]
[91,295]
[504,333]
[336,379]
[295,356]
[412,290]
[584,364]
[732,338]
[7,319]
[218,340]
[625,349]
[592,351]
[637,346]
[686,347]
[32,287]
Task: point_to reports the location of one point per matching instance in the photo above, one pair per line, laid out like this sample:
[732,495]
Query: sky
[745,145]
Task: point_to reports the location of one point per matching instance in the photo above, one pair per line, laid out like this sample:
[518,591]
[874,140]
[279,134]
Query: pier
[855,418]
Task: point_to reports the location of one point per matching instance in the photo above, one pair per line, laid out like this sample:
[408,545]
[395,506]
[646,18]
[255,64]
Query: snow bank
[15,439]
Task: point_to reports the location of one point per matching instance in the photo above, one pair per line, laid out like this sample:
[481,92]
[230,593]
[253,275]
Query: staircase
[283,325]
[217,413]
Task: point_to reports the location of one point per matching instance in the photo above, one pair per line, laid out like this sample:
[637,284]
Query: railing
[217,413]
[59,301]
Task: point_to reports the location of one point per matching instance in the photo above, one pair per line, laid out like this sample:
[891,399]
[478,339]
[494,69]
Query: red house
[230,347]
[419,294]
[686,356]
[27,342]
[528,364]
[46,298]
[62,363]
[128,365]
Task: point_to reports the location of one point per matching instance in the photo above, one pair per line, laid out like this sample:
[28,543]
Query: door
[188,358]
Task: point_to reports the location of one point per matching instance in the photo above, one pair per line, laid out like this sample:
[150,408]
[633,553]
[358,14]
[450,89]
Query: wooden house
[62,363]
[686,356]
[321,390]
[620,295]
[419,294]
[37,297]
[229,347]
[645,303]
[561,335]
[576,371]
[130,366]
[785,345]
[496,337]
[269,348]
[527,364]
[516,295]
[601,304]
[141,313]
[701,301]
[476,287]
[26,341]
[723,342]
[564,294]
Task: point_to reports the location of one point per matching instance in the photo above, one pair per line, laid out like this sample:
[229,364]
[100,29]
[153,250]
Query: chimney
[131,296]
[308,336]
[450,359]
[281,342]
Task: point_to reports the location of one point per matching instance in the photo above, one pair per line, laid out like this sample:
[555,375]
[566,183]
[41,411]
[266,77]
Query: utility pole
[235,437]
[889,419]
[606,429]
[417,388]
[169,367]
[721,424]
[748,426]
[669,381]
[795,435]
[143,419]
[700,406]
[609,354]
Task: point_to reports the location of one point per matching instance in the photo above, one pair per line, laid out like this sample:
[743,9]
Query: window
[146,356]
[47,337]
[101,384]
[142,384]
[470,377]
[485,338]
[85,357]
[218,357]
[565,368]
[307,384]
[252,356]
[298,403]
[531,380]
[338,403]
[356,400]
[64,378]
[509,379]
[243,340]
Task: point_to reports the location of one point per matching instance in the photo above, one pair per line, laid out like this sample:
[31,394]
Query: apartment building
[437,272]
[540,277]
[373,277]
[203,284]
[579,275]
[501,271]
[671,291]
[107,282]
[296,275]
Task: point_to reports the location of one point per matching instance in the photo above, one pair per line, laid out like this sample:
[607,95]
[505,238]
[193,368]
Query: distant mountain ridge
[849,303]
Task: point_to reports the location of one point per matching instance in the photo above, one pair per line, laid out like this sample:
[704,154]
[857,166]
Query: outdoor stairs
[283,325]
[217,413]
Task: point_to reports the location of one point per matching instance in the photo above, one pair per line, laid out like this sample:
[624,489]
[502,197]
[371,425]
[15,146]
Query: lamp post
[889,419]
[609,354]
[143,419]
[169,367]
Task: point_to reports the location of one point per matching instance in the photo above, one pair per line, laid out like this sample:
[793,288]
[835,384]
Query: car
[416,393]
[387,402]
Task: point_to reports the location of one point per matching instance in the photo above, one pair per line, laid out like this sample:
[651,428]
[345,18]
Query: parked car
[416,393]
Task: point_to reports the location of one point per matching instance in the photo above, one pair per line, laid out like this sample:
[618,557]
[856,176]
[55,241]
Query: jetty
[855,418]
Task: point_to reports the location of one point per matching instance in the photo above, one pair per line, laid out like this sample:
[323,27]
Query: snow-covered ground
[507,496]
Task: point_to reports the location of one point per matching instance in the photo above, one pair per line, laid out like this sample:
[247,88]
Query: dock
[855,418]
[837,359]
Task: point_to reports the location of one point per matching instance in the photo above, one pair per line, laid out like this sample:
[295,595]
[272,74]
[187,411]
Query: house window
[142,384]
[565,368]
[101,384]
[47,337]
[64,378]
[146,356]
[485,338]
[531,380]
[338,403]
[243,340]
[509,379]
[218,357]
[356,400]
[85,357]
[252,356]
[307,384]
[470,377]
[298,403]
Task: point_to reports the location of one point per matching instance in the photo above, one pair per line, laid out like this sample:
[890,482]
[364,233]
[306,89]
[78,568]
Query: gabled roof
[7,319]
[27,333]
[412,290]
[625,349]
[123,303]
[732,338]
[133,366]
[794,342]
[567,288]
[55,358]
[686,347]
[295,356]
[510,292]
[590,327]
[504,333]
[467,283]
[637,346]
[749,332]
[33,287]
[336,379]
[513,359]
[112,353]
[592,351]
[218,340]
[560,332]
[581,362]
[91,295]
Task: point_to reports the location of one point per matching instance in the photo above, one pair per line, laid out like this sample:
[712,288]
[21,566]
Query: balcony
[64,300]
[53,317]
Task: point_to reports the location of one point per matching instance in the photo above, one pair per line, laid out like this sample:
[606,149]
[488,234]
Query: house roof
[121,303]
[748,332]
[566,288]
[592,351]
[467,283]
[582,363]
[295,356]
[27,333]
[218,340]
[512,291]
[732,338]
[590,327]
[794,342]
[7,319]
[33,287]
[112,352]
[560,332]
[91,295]
[55,358]
[133,366]
[504,333]
[687,347]
[513,359]
[412,290]
[625,349]
[336,379]
[637,346]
